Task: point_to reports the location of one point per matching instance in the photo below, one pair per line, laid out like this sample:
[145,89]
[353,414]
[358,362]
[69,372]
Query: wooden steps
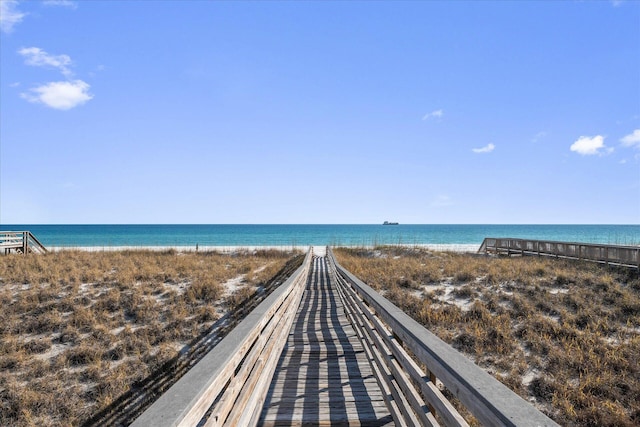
[21,242]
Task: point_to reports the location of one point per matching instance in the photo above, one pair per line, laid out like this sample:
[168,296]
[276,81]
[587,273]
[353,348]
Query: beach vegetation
[79,329]
[564,335]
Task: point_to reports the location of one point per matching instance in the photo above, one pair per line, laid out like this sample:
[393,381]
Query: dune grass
[78,328]
[564,335]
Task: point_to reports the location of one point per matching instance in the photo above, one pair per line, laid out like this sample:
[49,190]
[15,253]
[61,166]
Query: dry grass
[77,329]
[564,335]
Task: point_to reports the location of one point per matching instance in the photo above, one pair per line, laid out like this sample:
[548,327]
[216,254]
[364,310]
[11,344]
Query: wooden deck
[324,376]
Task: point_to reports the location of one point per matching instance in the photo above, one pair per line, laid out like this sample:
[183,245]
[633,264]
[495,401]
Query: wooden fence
[21,242]
[628,256]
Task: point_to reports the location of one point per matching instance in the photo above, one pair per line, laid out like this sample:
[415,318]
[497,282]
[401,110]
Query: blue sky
[319,112]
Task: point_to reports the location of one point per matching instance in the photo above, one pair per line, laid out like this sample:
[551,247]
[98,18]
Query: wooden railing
[229,385]
[628,256]
[20,241]
[415,394]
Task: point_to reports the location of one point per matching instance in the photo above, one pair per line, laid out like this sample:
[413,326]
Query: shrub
[78,328]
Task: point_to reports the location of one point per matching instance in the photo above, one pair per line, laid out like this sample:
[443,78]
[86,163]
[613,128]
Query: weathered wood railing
[628,256]
[20,241]
[229,385]
[388,329]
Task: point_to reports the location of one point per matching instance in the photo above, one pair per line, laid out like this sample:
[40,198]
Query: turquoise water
[299,235]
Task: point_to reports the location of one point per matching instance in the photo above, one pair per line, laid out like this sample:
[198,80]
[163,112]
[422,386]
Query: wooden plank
[241,409]
[251,364]
[383,375]
[412,404]
[21,240]
[36,243]
[427,384]
[393,398]
[252,413]
[379,372]
[323,376]
[622,255]
[433,395]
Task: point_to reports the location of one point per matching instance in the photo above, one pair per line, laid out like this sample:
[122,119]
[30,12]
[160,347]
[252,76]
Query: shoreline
[445,247]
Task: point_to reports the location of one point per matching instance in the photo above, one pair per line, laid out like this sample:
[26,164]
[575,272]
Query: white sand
[232,285]
[303,248]
[177,248]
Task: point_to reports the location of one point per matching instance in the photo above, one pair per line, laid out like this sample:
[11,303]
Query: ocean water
[181,235]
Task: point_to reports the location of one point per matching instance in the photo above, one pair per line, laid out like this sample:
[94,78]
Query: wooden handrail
[491,402]
[20,241]
[622,255]
[398,374]
[34,242]
[230,383]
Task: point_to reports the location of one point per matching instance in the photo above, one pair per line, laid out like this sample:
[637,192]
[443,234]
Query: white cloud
[39,58]
[590,145]
[632,140]
[437,114]
[9,15]
[64,3]
[442,201]
[15,84]
[539,136]
[70,185]
[60,95]
[486,149]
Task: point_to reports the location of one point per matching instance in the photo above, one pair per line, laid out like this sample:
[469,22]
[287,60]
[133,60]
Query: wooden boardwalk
[326,349]
[625,256]
[323,376]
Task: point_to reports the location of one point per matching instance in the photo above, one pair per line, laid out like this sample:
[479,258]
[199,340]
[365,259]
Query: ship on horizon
[390,223]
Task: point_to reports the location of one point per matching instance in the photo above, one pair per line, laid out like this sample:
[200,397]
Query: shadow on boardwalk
[323,376]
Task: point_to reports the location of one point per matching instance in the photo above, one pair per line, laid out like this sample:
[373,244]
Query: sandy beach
[459,248]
